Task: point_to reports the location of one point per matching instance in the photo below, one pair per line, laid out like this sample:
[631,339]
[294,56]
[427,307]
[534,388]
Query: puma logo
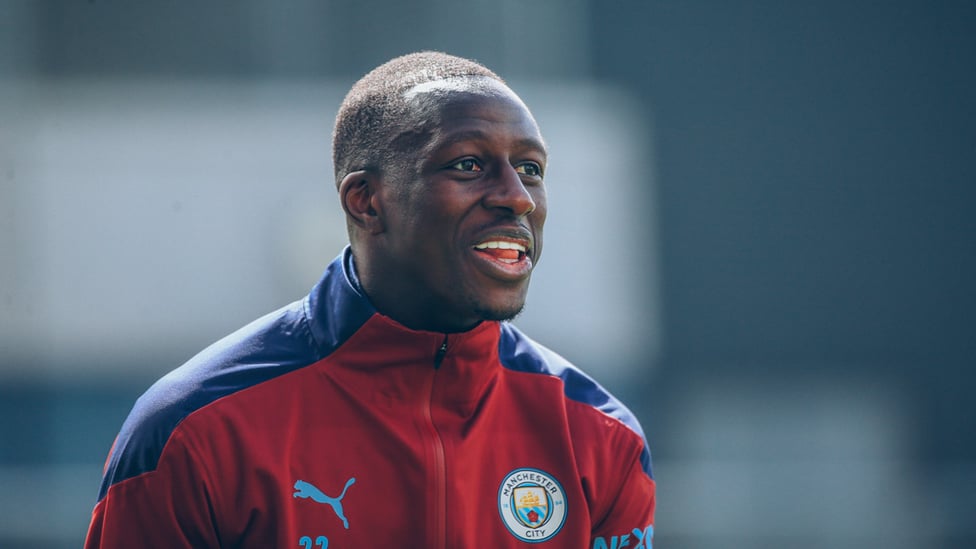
[306,490]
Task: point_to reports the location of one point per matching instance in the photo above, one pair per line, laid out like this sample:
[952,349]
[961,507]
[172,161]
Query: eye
[529,168]
[466,165]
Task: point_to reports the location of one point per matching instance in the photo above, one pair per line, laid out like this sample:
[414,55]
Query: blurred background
[761,233]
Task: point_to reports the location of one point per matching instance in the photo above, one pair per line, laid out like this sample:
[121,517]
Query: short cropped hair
[371,116]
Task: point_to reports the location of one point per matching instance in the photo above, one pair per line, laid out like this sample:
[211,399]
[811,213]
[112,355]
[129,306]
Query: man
[393,406]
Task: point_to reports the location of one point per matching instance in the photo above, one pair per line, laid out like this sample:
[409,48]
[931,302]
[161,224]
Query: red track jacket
[328,425]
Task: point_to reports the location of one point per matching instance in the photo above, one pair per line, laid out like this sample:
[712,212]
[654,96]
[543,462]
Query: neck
[409,308]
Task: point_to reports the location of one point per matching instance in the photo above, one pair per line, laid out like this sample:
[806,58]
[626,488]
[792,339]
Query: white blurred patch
[150,218]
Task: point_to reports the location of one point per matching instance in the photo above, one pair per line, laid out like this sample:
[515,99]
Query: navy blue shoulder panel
[290,338]
[520,353]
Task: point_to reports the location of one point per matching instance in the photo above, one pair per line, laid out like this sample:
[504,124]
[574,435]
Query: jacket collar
[337,307]
[343,321]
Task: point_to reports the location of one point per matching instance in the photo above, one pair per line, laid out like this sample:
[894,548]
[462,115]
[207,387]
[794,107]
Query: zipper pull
[441,351]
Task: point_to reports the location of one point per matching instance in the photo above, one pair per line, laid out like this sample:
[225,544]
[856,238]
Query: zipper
[439,507]
[441,351]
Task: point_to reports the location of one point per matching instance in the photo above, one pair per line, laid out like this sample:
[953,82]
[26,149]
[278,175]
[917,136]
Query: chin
[499,313]
[496,305]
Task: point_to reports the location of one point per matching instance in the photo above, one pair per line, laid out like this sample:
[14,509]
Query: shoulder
[519,352]
[271,346]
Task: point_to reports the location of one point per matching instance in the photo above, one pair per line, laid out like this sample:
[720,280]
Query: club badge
[532,504]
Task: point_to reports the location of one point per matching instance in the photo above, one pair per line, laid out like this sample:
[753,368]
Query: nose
[509,193]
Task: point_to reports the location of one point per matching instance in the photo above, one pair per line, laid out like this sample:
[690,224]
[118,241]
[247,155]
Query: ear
[359,196]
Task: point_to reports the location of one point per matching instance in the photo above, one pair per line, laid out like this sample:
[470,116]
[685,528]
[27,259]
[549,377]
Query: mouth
[504,251]
[505,257]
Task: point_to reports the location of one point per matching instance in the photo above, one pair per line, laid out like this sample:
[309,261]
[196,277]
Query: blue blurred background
[761,233]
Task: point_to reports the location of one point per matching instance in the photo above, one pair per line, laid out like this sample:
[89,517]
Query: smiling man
[394,405]
[447,236]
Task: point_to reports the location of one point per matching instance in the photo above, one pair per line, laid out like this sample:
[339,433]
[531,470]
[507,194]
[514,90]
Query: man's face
[464,218]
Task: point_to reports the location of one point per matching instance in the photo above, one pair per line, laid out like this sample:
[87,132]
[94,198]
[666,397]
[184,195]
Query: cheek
[537,220]
[538,216]
[537,233]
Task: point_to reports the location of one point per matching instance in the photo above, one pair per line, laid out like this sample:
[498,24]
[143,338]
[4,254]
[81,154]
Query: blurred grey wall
[815,189]
[791,184]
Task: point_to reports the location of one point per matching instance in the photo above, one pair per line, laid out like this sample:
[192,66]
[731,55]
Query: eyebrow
[478,135]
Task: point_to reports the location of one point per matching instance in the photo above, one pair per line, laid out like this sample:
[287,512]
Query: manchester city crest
[532,504]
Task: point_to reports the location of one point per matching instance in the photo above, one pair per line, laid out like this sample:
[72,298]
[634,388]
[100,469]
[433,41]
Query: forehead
[472,107]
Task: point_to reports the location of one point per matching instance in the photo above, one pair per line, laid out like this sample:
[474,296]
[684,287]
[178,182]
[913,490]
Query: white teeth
[501,244]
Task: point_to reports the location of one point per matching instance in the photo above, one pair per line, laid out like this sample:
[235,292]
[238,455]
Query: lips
[504,251]
[505,256]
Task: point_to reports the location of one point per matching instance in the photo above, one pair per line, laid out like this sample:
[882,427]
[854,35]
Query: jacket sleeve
[627,496]
[630,520]
[170,506]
